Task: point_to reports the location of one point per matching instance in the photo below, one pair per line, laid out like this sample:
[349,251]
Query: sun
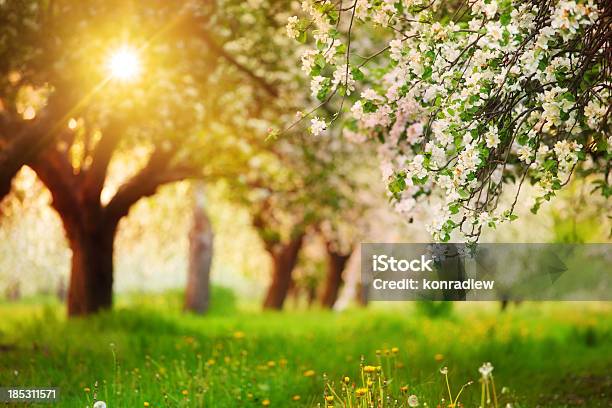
[124,64]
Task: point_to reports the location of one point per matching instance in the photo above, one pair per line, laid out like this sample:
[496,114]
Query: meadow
[148,353]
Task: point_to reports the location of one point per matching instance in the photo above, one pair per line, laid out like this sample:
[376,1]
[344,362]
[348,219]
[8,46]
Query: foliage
[467,100]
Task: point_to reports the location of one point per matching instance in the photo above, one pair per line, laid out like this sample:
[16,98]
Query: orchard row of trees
[458,101]
[216,76]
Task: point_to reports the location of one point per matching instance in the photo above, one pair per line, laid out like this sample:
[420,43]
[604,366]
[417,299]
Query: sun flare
[124,64]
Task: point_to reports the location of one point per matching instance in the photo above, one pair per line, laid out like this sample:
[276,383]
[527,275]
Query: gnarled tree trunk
[91,226]
[336,262]
[284,258]
[91,278]
[197,292]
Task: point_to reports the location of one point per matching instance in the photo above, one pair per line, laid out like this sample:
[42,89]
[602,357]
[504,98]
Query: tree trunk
[197,292]
[353,289]
[336,261]
[91,278]
[452,268]
[284,259]
[90,226]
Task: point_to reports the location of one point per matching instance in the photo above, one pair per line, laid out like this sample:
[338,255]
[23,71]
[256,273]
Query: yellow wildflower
[369,369]
[309,373]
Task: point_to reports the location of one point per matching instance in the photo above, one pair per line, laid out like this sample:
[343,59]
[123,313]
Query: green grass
[546,355]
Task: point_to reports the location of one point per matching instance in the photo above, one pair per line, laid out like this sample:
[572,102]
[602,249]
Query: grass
[147,352]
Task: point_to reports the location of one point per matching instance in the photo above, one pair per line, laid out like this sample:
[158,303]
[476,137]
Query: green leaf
[320,60]
[302,37]
[398,184]
[369,107]
[419,181]
[357,74]
[505,18]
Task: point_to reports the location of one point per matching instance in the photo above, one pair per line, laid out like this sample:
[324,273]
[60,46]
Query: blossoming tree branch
[466,100]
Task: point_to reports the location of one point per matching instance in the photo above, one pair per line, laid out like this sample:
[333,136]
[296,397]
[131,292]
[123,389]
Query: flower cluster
[378,386]
[500,92]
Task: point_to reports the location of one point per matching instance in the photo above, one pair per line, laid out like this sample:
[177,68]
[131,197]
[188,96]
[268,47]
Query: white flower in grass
[413,401]
[99,404]
[485,370]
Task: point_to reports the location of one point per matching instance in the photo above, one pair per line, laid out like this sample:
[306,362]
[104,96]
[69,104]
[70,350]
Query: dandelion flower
[296,398]
[329,398]
[485,370]
[309,373]
[265,403]
[146,404]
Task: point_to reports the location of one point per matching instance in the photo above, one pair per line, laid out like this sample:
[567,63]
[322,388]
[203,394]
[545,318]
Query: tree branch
[217,49]
[95,175]
[145,184]
[24,141]
[56,173]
